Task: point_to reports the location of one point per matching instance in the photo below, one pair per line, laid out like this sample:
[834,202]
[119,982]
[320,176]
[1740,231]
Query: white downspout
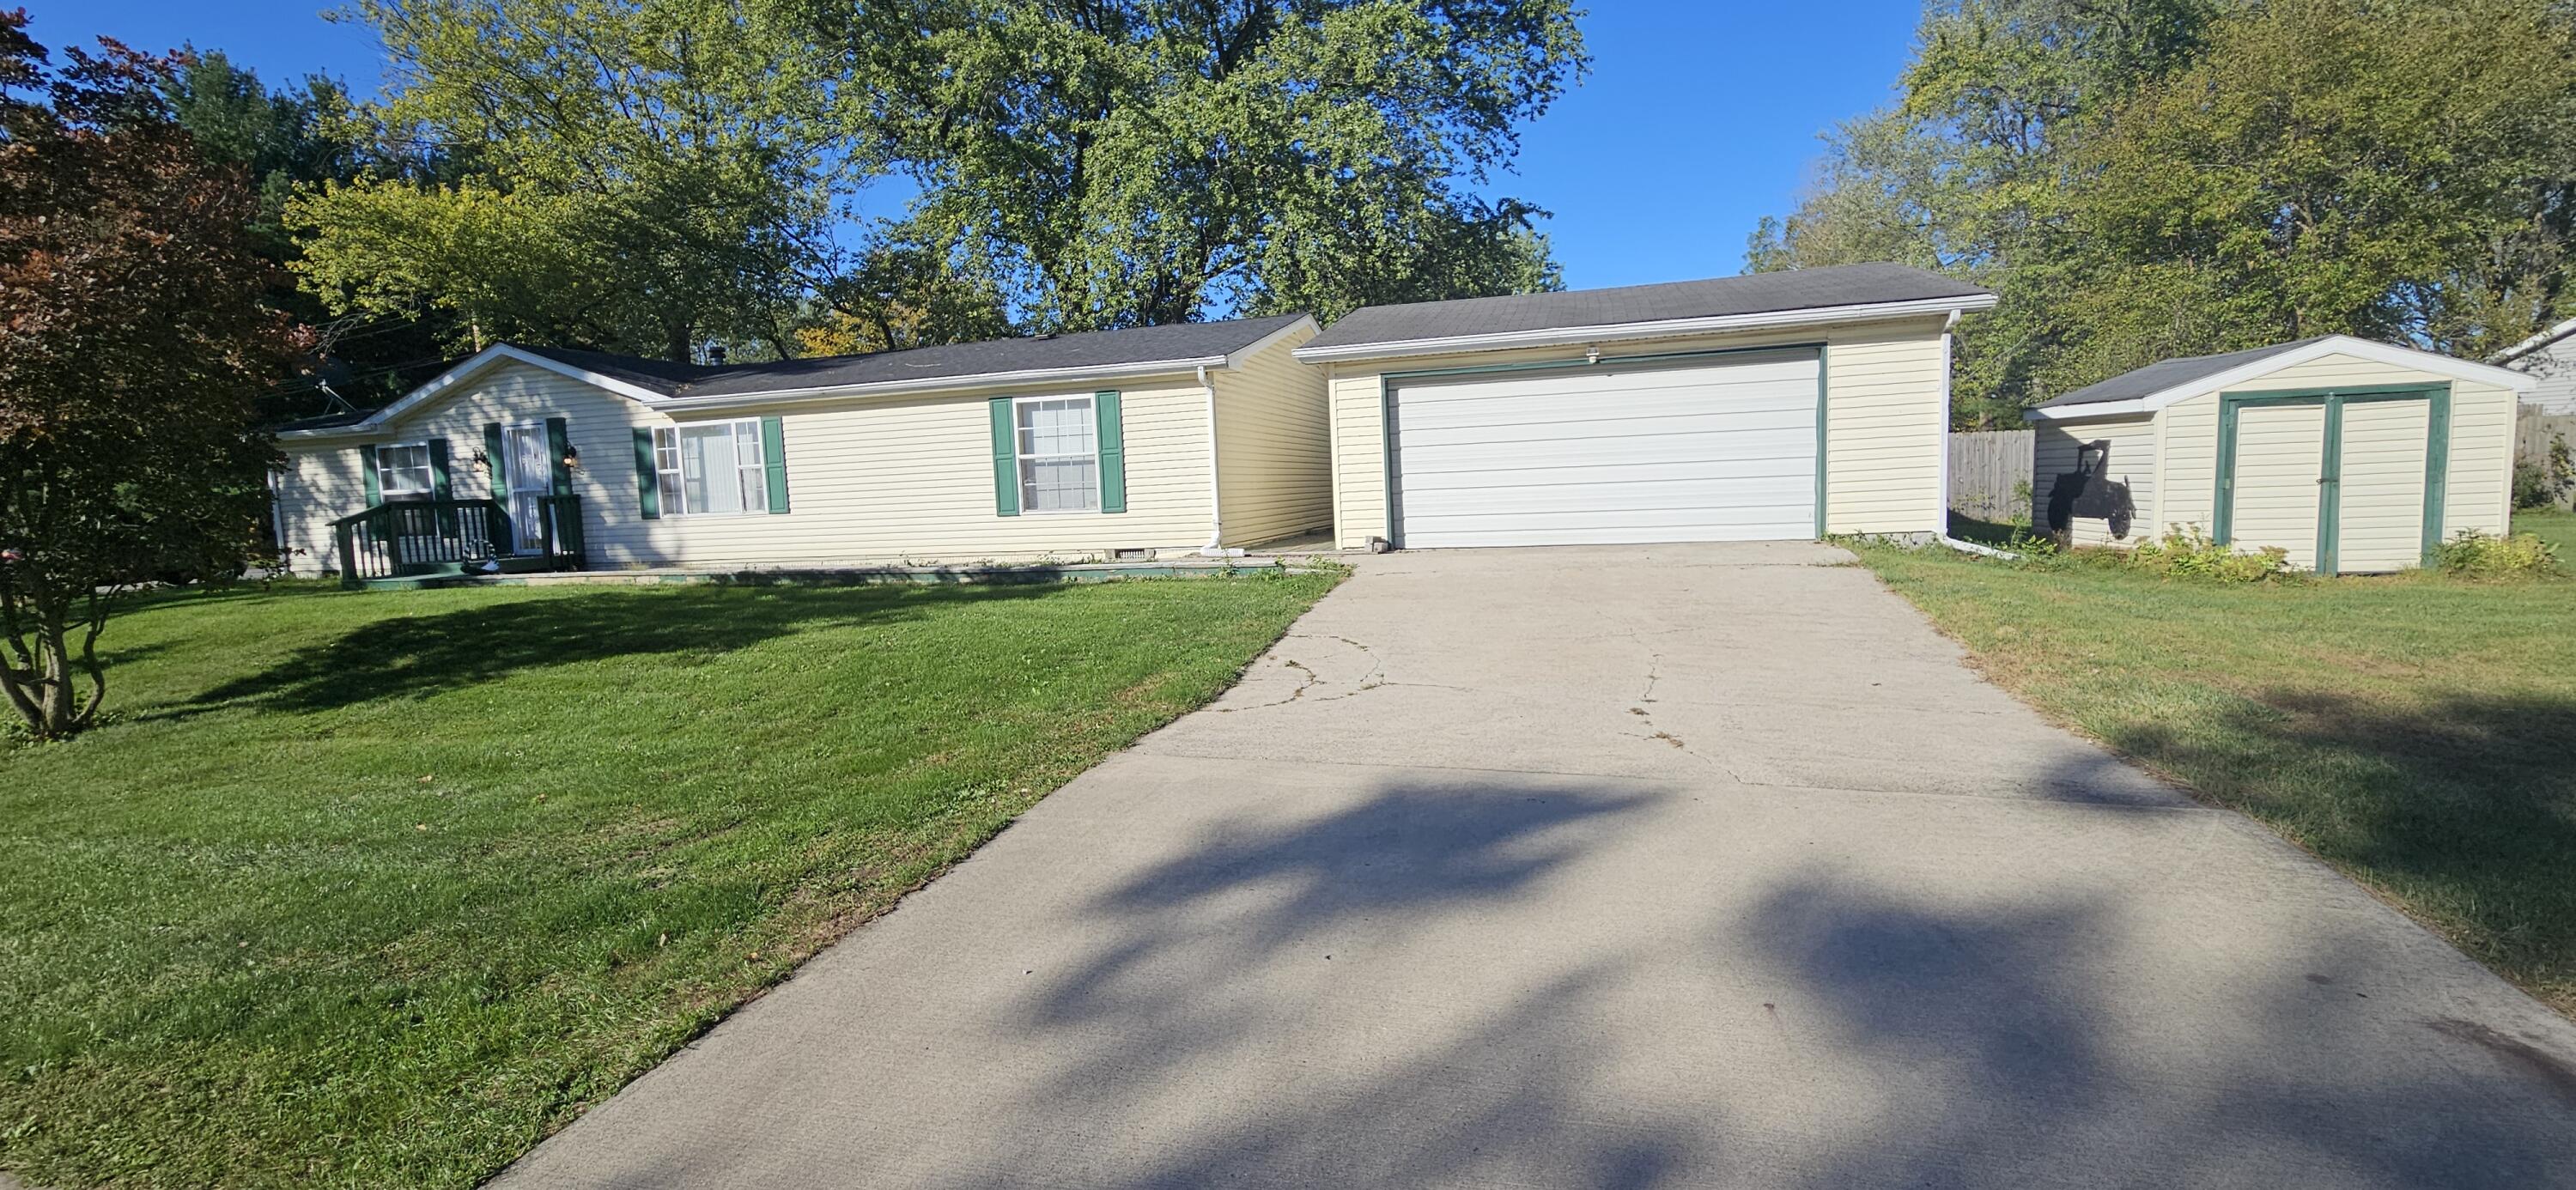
[1215,547]
[1943,533]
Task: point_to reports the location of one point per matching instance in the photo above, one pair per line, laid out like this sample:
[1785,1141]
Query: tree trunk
[40,683]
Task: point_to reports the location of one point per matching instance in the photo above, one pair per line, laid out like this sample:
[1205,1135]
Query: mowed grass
[2416,732]
[378,889]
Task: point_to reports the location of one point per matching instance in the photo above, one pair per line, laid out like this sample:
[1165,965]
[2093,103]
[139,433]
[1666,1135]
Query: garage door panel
[1713,497]
[1744,524]
[1753,479]
[1713,452]
[1431,394]
[1796,444]
[1558,409]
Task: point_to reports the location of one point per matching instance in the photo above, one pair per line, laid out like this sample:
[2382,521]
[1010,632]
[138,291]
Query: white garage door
[1611,454]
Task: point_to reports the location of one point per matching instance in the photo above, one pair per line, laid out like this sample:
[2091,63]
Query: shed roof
[2165,374]
[2159,384]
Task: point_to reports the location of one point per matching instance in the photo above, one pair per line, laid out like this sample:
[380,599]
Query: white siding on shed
[2480,468]
[2131,463]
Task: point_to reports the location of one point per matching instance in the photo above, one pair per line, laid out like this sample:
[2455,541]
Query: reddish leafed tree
[132,347]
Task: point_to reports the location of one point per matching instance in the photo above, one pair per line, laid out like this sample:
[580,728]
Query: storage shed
[2353,456]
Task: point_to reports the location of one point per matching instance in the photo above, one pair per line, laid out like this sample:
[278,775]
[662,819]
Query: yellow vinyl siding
[1885,422]
[2479,496]
[869,480]
[2480,468]
[1274,452]
[319,485]
[2280,452]
[2379,520]
[2132,443]
[2187,465]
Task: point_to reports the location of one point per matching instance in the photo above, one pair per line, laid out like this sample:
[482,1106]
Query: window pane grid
[1058,443]
[711,469]
[402,471]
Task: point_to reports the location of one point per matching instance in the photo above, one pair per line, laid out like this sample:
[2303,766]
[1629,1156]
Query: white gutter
[1943,535]
[1215,547]
[985,380]
[1662,329]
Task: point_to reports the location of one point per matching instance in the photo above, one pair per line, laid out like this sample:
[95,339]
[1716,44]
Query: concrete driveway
[1705,866]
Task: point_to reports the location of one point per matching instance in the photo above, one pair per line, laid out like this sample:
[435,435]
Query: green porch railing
[413,538]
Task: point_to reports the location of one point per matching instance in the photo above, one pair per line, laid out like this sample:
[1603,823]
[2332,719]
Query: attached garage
[2348,455]
[1718,448]
[1771,407]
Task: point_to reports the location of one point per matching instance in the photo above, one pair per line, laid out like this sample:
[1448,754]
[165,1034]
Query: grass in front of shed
[376,890]
[2417,732]
[2556,526]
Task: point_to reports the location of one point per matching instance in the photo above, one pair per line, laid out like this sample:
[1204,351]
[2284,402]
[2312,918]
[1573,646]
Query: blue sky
[1699,117]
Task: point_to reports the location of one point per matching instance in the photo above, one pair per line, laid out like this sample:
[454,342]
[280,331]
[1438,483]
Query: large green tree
[636,174]
[133,350]
[1124,162]
[2144,178]
[300,136]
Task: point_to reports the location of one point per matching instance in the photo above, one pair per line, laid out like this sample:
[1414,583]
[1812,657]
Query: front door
[532,472]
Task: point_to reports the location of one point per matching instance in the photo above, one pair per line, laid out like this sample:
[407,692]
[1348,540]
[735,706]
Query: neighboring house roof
[2164,382]
[1097,357]
[1798,297]
[2535,343]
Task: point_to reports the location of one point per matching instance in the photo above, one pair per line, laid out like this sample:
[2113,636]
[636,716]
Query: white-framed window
[1059,449]
[403,471]
[711,468]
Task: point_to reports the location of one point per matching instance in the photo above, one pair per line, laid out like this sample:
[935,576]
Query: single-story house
[2354,456]
[2550,356]
[1771,406]
[1118,444]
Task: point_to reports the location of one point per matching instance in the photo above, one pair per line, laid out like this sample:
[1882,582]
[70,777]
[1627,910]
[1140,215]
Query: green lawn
[2557,527]
[376,890]
[2418,733]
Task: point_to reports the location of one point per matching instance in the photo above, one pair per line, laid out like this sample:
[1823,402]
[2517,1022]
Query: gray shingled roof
[2165,374]
[1754,293]
[1180,344]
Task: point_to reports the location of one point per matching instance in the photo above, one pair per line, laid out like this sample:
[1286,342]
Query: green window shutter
[648,486]
[773,451]
[1113,453]
[559,444]
[438,486]
[1006,460]
[496,460]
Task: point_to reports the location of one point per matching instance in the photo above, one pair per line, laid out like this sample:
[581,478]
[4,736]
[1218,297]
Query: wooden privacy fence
[1990,475]
[2533,434]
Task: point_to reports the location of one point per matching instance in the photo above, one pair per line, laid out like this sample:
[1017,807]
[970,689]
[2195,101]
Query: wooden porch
[403,540]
